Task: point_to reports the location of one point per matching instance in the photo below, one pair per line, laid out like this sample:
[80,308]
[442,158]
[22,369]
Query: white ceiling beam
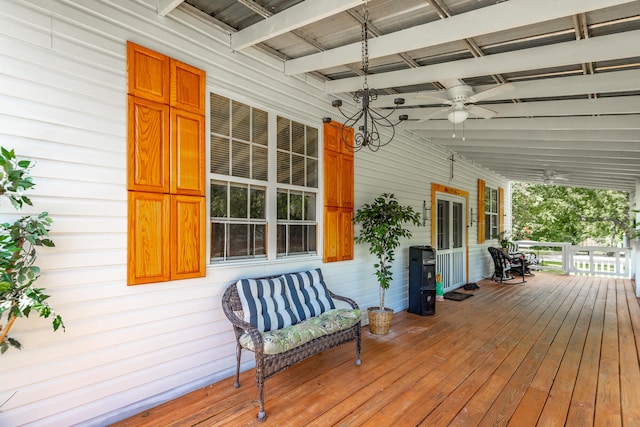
[603,48]
[289,19]
[631,121]
[166,6]
[486,20]
[574,147]
[513,136]
[551,161]
[566,107]
[617,81]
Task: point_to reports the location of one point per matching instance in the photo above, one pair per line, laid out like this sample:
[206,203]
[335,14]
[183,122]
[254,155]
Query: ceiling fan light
[458,116]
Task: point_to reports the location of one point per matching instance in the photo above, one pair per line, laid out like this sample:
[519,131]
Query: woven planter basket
[379,320]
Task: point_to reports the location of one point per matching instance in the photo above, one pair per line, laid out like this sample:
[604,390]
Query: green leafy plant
[18,242]
[504,238]
[382,225]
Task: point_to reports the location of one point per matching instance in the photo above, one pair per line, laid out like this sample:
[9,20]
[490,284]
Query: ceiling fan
[461,100]
[550,177]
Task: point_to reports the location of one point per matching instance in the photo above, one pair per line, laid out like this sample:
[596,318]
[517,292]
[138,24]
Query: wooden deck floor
[559,350]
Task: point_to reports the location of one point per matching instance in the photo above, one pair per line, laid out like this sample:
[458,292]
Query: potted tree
[18,242]
[382,225]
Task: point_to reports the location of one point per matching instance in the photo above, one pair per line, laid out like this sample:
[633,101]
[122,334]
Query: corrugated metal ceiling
[579,118]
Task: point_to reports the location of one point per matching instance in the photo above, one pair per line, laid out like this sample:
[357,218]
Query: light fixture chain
[365,44]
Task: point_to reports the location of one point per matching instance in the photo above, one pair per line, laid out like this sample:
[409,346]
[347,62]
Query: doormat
[456,296]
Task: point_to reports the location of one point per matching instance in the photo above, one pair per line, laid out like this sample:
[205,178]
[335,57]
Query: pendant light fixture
[366,122]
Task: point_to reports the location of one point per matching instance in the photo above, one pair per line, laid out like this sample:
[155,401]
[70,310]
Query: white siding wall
[63,104]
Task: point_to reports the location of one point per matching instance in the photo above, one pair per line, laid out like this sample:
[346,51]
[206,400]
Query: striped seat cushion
[265,304]
[308,293]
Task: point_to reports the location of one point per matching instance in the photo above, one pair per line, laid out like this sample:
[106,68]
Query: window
[491,209]
[244,184]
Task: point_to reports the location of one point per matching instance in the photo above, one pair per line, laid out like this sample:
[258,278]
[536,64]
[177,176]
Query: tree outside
[554,213]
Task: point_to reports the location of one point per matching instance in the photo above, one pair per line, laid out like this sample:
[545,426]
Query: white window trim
[272,183]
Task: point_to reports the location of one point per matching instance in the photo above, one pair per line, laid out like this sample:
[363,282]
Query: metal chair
[503,265]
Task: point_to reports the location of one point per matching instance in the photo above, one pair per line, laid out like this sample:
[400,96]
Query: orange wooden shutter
[346,180]
[148,237]
[331,234]
[481,220]
[148,74]
[346,233]
[165,149]
[187,87]
[148,146]
[187,153]
[188,229]
[338,196]
[332,178]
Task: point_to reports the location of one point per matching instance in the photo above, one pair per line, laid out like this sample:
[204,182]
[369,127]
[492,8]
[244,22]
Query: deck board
[557,350]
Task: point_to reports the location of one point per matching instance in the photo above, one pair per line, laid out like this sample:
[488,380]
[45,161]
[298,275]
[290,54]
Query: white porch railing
[587,260]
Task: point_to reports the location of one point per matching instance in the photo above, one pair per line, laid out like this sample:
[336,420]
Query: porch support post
[635,243]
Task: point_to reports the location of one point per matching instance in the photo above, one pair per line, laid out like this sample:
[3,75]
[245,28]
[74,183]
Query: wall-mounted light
[426,213]
[472,218]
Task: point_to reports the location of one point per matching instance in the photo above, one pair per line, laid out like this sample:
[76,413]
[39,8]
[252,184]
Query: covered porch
[558,350]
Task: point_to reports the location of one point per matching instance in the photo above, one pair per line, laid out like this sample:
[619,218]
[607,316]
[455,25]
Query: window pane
[240,159]
[217,240]
[284,140]
[283,168]
[487,199]
[458,221]
[494,201]
[238,240]
[260,163]
[259,241]
[241,123]
[257,203]
[260,128]
[297,170]
[219,114]
[282,239]
[220,155]
[295,207]
[487,227]
[312,142]
[283,205]
[443,224]
[312,173]
[296,233]
[219,200]
[297,138]
[311,238]
[238,202]
[310,207]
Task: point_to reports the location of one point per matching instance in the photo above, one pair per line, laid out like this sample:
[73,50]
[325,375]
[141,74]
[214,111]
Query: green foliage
[382,228]
[18,242]
[14,178]
[568,214]
[504,239]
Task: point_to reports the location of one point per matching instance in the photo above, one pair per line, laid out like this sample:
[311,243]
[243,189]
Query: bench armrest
[349,301]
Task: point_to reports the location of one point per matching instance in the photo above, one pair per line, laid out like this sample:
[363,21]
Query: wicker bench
[286,319]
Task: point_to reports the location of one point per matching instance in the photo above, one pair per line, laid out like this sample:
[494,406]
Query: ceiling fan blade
[432,115]
[490,93]
[485,113]
[438,97]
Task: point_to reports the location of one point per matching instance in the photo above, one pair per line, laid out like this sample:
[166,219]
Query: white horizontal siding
[63,104]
